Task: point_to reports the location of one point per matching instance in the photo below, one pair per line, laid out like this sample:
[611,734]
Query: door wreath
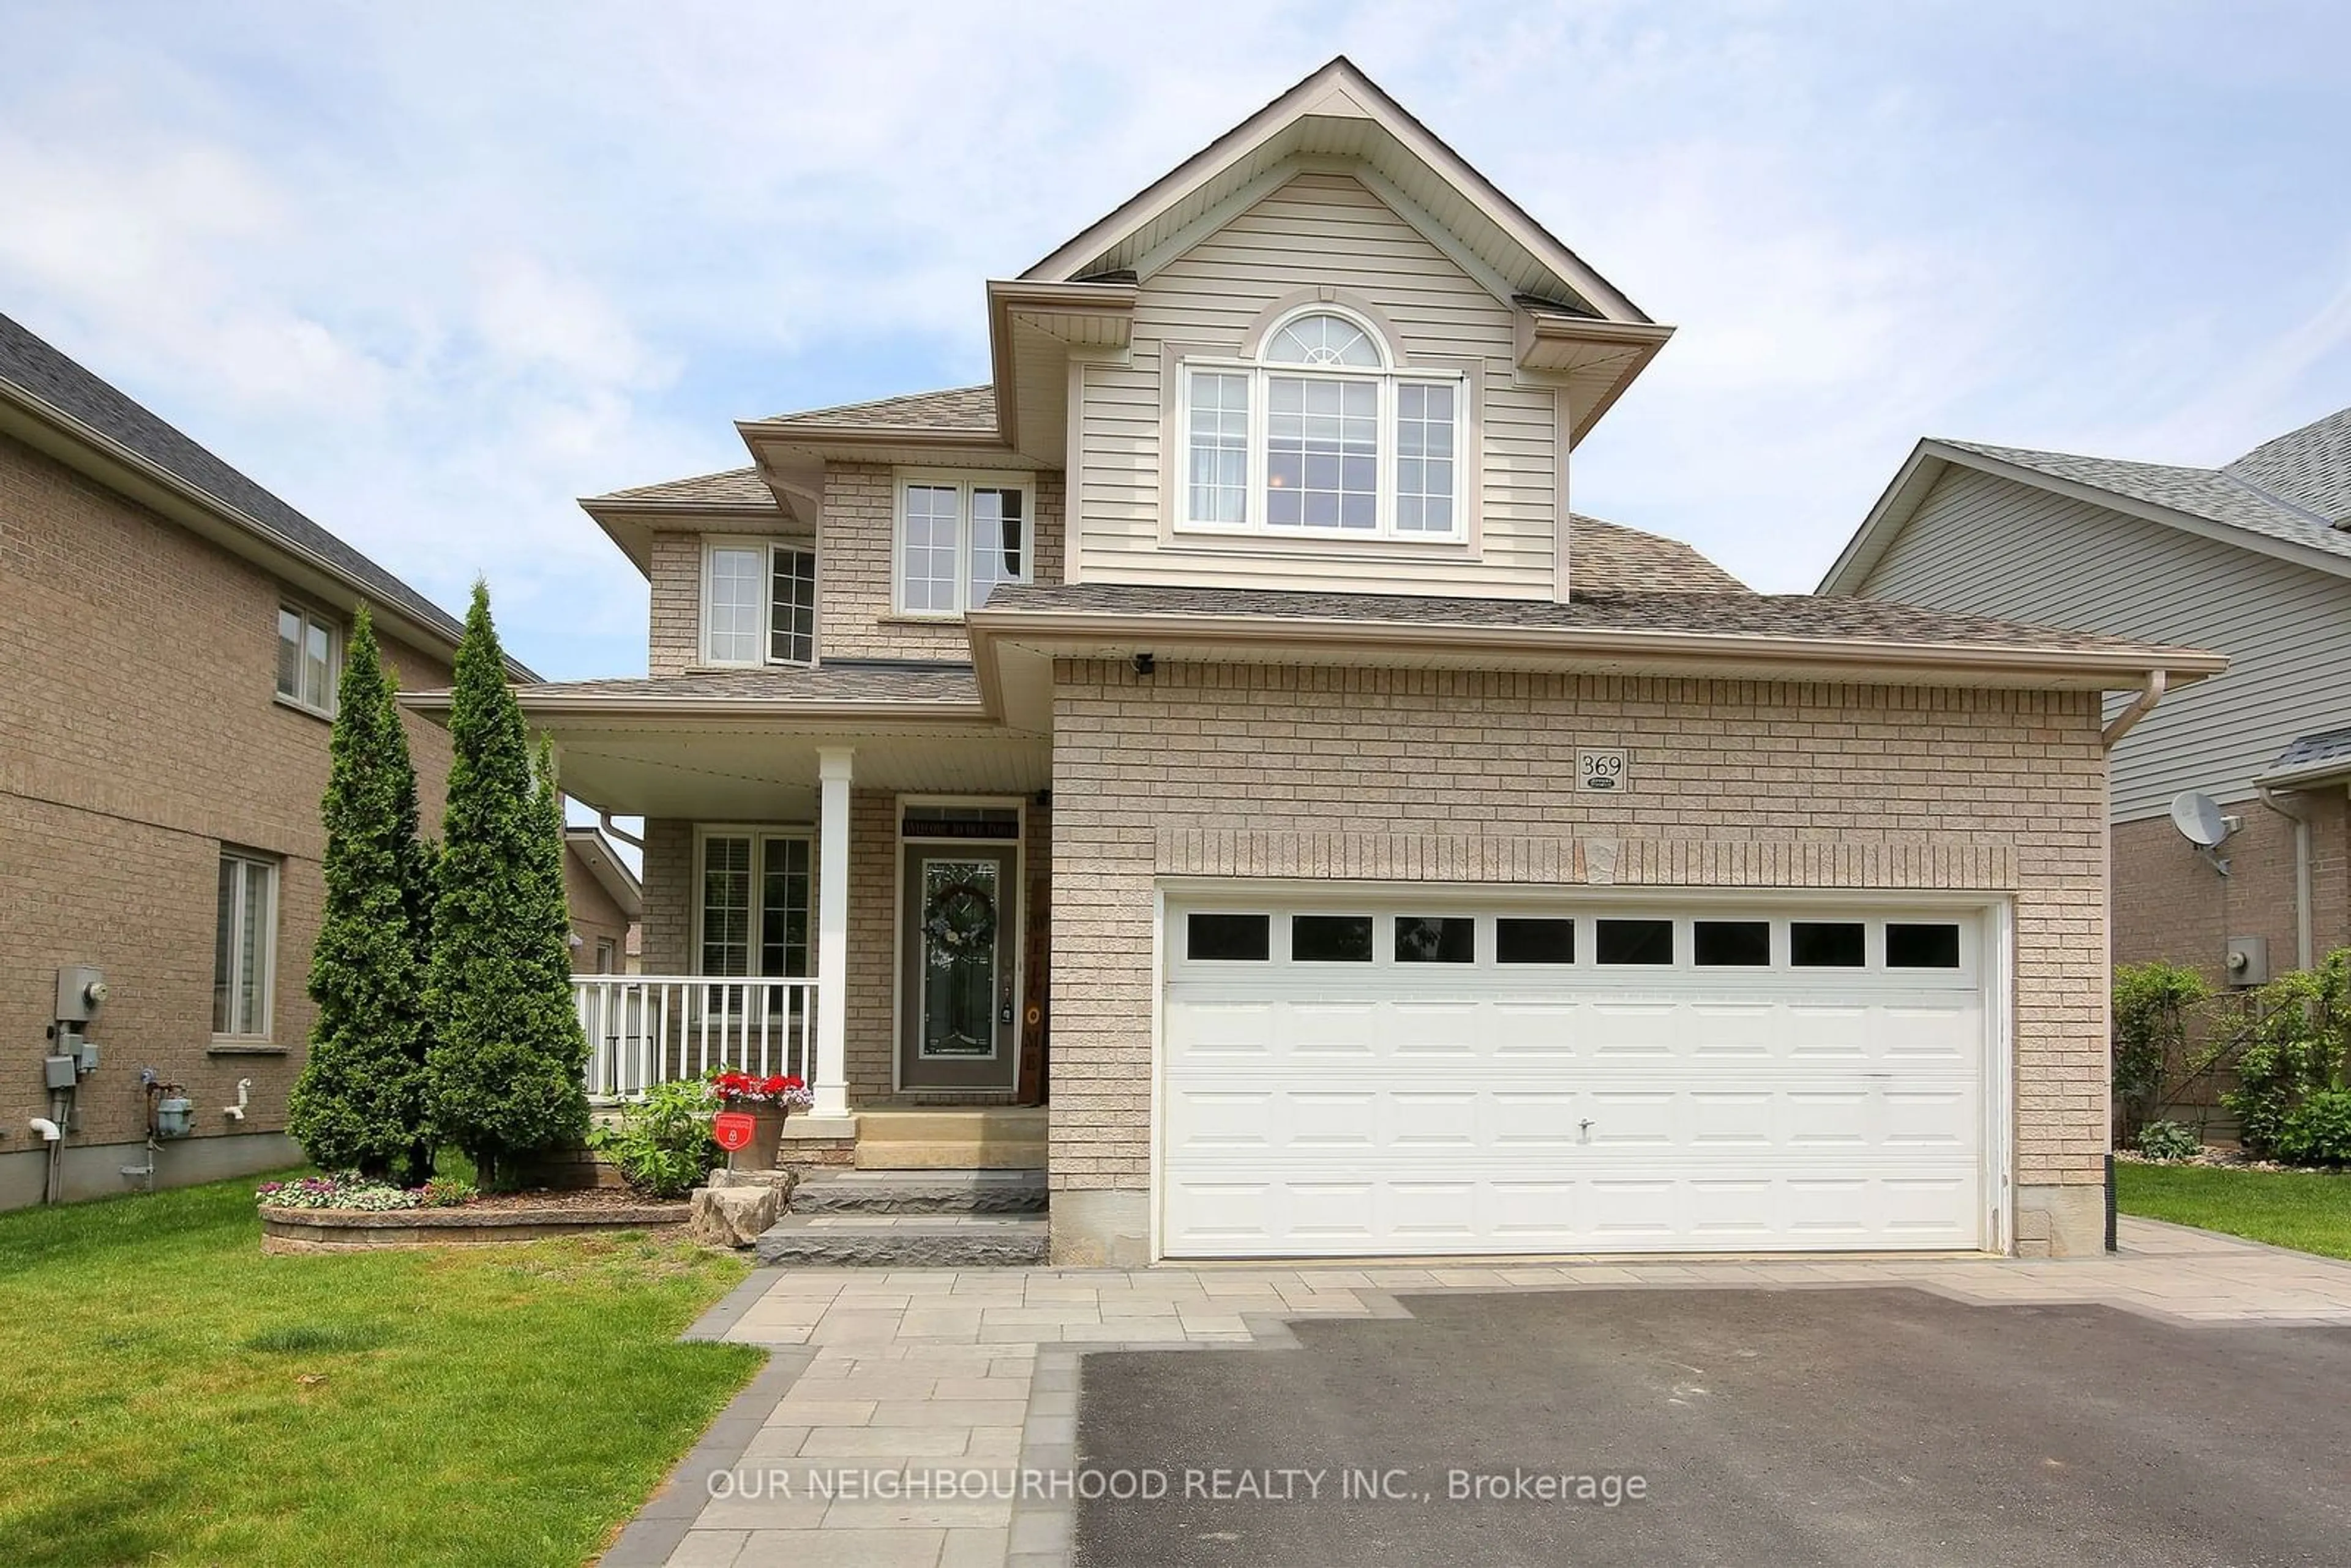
[962,919]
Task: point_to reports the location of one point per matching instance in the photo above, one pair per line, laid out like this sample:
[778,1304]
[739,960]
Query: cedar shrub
[507,1053]
[359,1102]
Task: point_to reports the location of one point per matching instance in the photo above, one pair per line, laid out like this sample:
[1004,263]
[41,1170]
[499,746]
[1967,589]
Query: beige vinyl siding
[1318,230]
[1991,545]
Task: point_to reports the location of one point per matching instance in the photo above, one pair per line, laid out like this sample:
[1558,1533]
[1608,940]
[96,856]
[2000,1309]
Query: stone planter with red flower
[767,1101]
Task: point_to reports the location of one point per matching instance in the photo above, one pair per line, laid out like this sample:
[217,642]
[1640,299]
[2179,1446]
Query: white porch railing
[645,1030]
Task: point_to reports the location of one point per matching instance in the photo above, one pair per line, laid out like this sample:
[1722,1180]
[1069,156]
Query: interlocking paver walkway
[928,1417]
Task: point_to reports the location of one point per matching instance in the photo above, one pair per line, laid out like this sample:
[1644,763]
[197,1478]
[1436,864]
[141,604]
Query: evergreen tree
[360,1103]
[418,883]
[506,1051]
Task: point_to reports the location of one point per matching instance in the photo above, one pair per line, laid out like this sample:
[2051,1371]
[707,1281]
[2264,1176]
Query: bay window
[958,540]
[1322,432]
[759,603]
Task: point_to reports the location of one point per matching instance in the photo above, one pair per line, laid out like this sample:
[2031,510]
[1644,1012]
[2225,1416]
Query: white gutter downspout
[2303,957]
[2141,705]
[604,824]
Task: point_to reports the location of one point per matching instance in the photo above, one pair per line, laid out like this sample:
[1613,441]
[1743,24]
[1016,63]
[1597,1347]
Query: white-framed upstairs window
[759,602]
[305,659]
[1322,432]
[959,538]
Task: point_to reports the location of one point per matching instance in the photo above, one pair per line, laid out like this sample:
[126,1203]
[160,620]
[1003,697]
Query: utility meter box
[2249,961]
[81,989]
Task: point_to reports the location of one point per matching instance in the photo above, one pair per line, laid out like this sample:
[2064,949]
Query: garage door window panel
[1436,939]
[1731,944]
[1827,943]
[1229,938]
[1330,938]
[1519,939]
[1633,941]
[1919,945]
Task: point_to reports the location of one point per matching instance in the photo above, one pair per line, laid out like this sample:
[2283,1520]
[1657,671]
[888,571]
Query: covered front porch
[860,899]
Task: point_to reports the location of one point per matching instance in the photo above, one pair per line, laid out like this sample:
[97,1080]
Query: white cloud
[433,271]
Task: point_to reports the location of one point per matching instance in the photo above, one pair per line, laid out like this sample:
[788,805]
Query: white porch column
[832,1082]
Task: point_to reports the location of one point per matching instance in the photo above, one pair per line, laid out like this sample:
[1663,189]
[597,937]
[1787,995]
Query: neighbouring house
[1218,732]
[170,639]
[2252,559]
[607,902]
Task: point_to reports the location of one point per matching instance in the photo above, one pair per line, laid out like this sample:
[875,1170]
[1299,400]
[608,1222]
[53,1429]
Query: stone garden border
[306,1229]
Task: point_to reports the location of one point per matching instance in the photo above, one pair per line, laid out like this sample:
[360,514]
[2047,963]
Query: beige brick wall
[674,566]
[872,985]
[595,915]
[853,566]
[670,892]
[1443,775]
[138,735]
[854,541]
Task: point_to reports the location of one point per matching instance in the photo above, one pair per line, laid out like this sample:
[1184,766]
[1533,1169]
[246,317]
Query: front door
[958,1002]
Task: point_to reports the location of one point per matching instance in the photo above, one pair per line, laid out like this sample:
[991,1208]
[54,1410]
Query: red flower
[756,1090]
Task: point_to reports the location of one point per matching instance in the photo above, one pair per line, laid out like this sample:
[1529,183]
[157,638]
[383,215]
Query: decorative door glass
[959,957]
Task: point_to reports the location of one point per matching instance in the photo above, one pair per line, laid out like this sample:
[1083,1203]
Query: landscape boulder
[733,1216]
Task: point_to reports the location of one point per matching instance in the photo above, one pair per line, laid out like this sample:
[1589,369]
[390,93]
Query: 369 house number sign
[1601,771]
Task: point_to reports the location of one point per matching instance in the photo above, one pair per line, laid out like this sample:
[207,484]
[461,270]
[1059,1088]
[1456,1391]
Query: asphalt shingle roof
[2309,468]
[734,487]
[2216,495]
[1609,558]
[1739,614]
[957,408]
[2314,751]
[36,368]
[832,682]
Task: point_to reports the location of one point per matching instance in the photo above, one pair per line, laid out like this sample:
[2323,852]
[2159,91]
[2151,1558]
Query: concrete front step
[959,1155]
[991,1137]
[906,1241]
[902,1192]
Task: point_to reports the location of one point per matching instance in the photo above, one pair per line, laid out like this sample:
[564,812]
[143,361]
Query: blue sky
[430,271]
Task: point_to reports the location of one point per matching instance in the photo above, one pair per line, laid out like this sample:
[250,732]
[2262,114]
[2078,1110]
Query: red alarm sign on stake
[732,1130]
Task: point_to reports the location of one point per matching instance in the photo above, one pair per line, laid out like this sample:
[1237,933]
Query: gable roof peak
[1322,116]
[1335,87]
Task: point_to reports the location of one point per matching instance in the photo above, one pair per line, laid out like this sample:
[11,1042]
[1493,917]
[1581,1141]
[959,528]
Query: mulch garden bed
[2218,1159]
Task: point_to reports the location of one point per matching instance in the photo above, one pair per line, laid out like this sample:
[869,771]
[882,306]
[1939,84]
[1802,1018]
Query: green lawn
[2309,1211]
[174,1396]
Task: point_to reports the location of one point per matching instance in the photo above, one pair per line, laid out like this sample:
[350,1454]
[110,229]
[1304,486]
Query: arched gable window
[1321,432]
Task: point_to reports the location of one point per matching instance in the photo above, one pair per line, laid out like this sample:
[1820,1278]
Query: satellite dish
[2197,817]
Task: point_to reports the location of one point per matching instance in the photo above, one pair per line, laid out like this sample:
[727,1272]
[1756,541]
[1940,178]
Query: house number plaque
[1601,771]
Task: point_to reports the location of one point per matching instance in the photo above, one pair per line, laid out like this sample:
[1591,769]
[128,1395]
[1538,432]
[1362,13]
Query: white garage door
[1435,1077]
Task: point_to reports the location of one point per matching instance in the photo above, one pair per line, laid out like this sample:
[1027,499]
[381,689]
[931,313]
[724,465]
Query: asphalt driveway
[1783,1428]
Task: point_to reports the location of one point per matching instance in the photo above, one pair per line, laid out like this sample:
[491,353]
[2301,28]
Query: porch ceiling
[713,771]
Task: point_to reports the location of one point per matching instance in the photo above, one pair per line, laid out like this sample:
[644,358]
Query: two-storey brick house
[170,634]
[1219,732]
